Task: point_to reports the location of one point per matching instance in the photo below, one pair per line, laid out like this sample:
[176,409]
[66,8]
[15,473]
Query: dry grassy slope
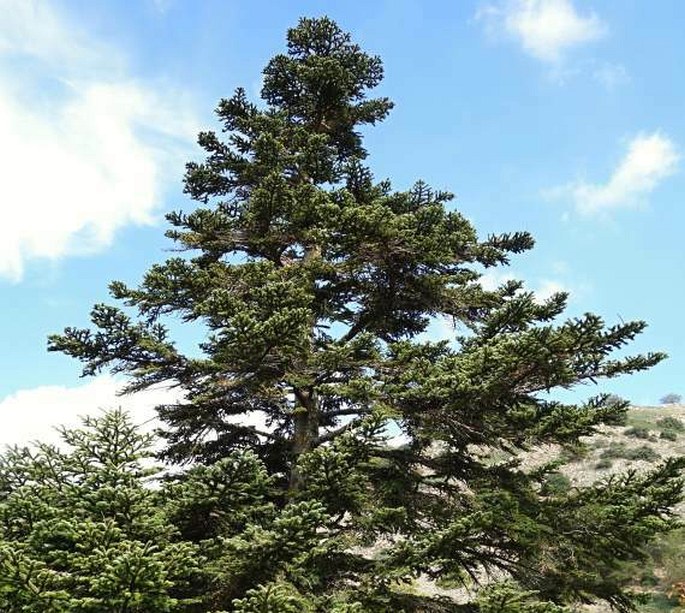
[585,470]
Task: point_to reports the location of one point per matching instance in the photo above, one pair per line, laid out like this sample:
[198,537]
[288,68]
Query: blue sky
[561,117]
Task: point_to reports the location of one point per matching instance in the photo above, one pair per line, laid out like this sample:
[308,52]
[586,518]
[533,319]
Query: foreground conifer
[314,283]
[81,531]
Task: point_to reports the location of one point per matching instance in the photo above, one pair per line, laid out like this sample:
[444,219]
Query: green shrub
[637,432]
[670,423]
[644,452]
[647,578]
[669,435]
[573,453]
[668,551]
[555,484]
[620,450]
[603,464]
[614,450]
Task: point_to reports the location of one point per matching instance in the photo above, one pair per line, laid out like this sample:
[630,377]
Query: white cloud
[611,76]
[546,29]
[542,288]
[30,415]
[546,288]
[33,414]
[492,279]
[443,328]
[650,158]
[85,149]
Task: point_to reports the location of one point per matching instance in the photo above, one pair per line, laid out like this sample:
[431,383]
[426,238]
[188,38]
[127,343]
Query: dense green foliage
[80,531]
[315,283]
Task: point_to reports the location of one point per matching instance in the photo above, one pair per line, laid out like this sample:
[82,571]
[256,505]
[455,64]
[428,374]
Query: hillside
[651,433]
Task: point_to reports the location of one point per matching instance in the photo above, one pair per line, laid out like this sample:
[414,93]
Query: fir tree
[315,282]
[80,531]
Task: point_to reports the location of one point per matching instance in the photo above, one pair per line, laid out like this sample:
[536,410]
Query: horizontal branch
[329,436]
[342,412]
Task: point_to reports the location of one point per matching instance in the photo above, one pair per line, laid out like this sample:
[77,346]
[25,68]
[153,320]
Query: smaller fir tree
[82,531]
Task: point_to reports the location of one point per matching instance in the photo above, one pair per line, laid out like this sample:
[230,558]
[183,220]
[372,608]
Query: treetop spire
[322,83]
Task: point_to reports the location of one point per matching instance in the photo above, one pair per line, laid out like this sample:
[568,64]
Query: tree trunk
[306,414]
[305,433]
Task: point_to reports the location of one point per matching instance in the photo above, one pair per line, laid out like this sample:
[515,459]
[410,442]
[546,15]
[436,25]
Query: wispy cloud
[546,29]
[84,148]
[161,6]
[649,159]
[611,76]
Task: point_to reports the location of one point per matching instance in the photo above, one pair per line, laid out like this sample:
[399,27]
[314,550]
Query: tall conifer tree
[315,282]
